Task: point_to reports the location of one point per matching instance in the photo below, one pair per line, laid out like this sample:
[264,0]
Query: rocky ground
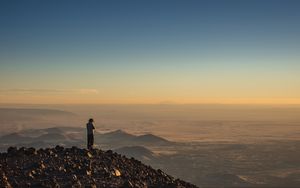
[74,167]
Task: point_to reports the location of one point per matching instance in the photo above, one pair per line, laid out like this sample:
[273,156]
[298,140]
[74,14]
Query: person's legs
[92,140]
[88,141]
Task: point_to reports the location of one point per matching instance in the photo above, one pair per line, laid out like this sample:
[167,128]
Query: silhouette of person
[90,133]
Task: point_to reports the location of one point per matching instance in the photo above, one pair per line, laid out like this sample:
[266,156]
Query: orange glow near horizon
[25,99]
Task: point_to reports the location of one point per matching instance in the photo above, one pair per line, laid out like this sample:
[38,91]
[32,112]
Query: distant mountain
[54,130]
[64,129]
[14,138]
[117,135]
[44,140]
[150,138]
[51,137]
[137,152]
[41,138]
[51,130]
[32,132]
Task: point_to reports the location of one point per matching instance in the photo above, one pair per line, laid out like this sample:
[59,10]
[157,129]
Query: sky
[150,51]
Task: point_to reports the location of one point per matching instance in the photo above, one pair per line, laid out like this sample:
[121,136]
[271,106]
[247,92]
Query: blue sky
[114,45]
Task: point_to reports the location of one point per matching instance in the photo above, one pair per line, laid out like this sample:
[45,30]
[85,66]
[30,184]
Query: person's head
[91,120]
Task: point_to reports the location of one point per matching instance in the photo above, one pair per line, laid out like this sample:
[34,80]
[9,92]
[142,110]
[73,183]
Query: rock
[30,175]
[42,165]
[59,148]
[88,172]
[127,184]
[116,172]
[75,167]
[91,186]
[74,177]
[4,181]
[11,151]
[89,155]
[77,184]
[30,151]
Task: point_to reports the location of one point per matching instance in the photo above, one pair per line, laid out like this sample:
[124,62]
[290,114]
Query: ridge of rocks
[75,167]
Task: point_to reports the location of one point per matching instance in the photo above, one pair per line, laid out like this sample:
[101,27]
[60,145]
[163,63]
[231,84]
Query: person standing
[90,133]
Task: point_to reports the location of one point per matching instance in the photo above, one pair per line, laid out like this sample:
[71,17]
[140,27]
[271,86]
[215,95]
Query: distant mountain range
[73,136]
[123,138]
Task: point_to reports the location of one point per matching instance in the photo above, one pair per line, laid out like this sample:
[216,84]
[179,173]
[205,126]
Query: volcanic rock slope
[74,167]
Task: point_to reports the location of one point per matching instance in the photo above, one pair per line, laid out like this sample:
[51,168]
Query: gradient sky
[155,51]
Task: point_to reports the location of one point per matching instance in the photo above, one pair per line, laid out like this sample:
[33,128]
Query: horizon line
[170,104]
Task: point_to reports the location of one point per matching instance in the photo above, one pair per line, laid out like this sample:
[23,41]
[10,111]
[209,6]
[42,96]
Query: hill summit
[75,167]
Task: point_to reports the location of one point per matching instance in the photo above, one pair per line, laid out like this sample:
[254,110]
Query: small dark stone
[127,184]
[59,148]
[30,151]
[12,150]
